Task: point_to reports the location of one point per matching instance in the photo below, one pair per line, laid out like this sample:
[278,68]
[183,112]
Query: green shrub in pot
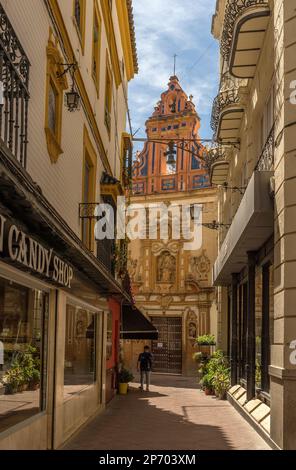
[221,382]
[125,376]
[206,340]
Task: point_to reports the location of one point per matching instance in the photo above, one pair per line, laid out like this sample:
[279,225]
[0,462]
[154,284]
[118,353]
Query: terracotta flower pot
[222,396]
[22,387]
[208,391]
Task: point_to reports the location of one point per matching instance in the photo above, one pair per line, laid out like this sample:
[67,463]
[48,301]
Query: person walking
[144,365]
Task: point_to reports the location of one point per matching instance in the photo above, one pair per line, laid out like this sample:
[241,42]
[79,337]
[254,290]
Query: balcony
[228,110]
[14,92]
[244,29]
[266,159]
[217,165]
[251,227]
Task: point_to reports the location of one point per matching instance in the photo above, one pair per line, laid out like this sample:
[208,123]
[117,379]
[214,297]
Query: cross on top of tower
[175,63]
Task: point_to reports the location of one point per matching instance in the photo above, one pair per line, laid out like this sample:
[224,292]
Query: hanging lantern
[72,100]
[72,97]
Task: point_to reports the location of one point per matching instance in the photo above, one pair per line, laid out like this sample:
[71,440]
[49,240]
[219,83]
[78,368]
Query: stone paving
[174,415]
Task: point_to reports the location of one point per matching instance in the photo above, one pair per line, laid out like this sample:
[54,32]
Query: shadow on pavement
[172,381]
[133,422]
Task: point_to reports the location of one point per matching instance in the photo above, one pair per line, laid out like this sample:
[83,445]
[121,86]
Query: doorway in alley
[167,350]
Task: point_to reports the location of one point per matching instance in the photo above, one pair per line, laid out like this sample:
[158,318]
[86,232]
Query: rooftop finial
[175,63]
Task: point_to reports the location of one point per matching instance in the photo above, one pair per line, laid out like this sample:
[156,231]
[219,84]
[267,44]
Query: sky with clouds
[165,28]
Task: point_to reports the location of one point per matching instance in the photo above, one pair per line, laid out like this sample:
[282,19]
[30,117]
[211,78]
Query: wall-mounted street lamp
[214,225]
[72,97]
[237,189]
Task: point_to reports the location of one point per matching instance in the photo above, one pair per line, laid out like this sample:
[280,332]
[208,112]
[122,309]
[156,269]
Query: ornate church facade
[173,285]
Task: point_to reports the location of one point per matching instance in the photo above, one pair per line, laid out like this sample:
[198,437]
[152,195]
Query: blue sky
[165,28]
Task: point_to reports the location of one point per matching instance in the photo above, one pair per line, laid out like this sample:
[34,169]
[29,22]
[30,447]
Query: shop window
[243,320]
[79,20]
[55,86]
[80,350]
[108,98]
[23,341]
[96,47]
[271,305]
[258,326]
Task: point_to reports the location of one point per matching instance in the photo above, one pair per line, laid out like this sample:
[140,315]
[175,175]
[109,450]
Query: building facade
[63,149]
[253,165]
[172,285]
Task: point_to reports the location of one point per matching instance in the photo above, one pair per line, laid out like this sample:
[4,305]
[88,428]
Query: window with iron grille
[14,99]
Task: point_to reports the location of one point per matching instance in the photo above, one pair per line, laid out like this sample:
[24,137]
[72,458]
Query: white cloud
[164,28]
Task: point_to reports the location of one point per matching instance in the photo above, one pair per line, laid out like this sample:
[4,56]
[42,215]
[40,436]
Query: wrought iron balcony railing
[106,251]
[266,159]
[234,9]
[212,155]
[14,91]
[228,95]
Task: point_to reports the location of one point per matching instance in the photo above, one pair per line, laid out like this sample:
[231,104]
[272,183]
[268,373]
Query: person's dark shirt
[145,360]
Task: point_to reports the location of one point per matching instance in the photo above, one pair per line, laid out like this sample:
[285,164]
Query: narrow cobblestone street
[173,415]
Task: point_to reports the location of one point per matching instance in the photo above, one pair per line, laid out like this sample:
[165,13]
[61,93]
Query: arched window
[171,156]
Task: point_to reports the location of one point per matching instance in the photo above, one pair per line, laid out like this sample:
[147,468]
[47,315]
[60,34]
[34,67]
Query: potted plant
[34,382]
[221,382]
[124,377]
[11,380]
[207,384]
[206,340]
[215,375]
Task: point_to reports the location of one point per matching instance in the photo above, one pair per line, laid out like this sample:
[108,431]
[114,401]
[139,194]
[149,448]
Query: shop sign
[23,249]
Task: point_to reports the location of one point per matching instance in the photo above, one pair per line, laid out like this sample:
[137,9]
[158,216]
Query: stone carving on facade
[165,301]
[200,267]
[166,268]
[159,247]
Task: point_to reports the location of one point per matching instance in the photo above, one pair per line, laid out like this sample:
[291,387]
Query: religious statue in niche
[200,266]
[192,326]
[192,331]
[166,268]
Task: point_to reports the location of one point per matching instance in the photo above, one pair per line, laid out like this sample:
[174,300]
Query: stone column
[282,369]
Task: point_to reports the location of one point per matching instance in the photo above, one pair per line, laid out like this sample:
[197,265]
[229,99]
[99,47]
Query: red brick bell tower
[170,160]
